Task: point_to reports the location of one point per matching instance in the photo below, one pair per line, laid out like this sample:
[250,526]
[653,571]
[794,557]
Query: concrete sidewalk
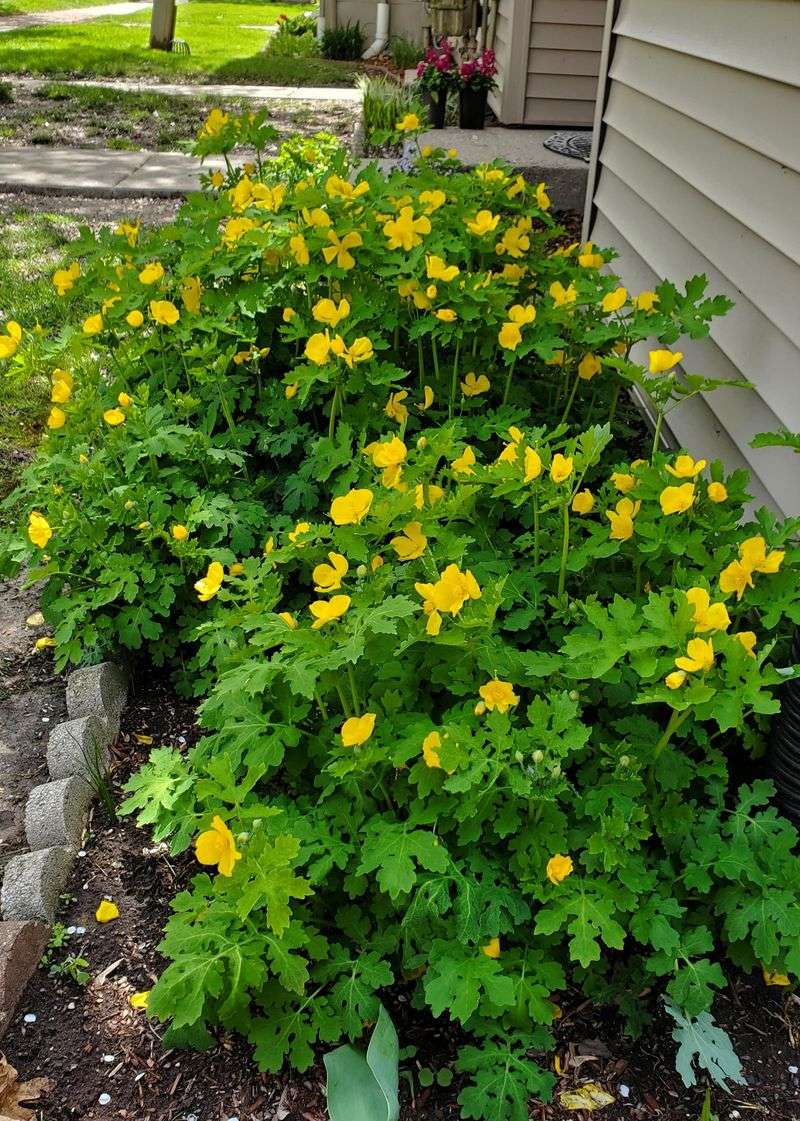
[223,92]
[99,173]
[24,20]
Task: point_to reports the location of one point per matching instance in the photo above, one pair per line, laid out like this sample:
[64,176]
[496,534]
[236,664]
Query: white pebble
[71,1006]
[792,1070]
[80,929]
[734,1113]
[104,1099]
[81,852]
[71,929]
[109,1058]
[29,1017]
[191,1117]
[624,1091]
[45,719]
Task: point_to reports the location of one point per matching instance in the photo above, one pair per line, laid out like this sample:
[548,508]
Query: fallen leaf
[141,738]
[35,620]
[13,1093]
[590,1096]
[771,978]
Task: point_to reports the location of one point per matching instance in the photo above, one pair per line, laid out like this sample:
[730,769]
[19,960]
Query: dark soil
[95,117]
[31,702]
[91,1043]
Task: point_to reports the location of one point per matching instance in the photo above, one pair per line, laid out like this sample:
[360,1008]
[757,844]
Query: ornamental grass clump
[486,673]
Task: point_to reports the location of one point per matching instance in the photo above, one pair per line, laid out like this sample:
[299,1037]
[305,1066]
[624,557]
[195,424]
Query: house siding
[697,170]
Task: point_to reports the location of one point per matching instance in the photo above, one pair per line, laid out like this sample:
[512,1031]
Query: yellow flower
[437,269]
[217,179]
[93,325]
[717,492]
[289,620]
[299,249]
[213,125]
[483,223]
[533,465]
[448,595]
[645,301]
[515,242]
[446,314]
[663,360]
[406,231]
[771,978]
[563,297]
[299,530]
[411,544]
[139,1001]
[326,311]
[290,390]
[561,468]
[409,123]
[179,532]
[624,483]
[753,552]
[107,911]
[236,569]
[522,314]
[452,153]
[431,201]
[318,348]
[327,610]
[336,187]
[191,291]
[542,197]
[64,376]
[124,400]
[431,491]
[328,577]
[559,867]
[685,467]
[357,729]
[583,502]
[64,279]
[208,585]
[134,318]
[675,679]
[748,640]
[389,453]
[613,301]
[735,578]
[288,314]
[114,417]
[426,151]
[463,464]
[622,519]
[39,529]
[499,695]
[707,616]
[44,643]
[517,187]
[235,229]
[151,273]
[56,418]
[395,409]
[509,336]
[351,508]
[427,399]
[164,312]
[339,248]
[588,366]
[513,273]
[217,846]
[360,350]
[588,259]
[473,386]
[699,656]
[677,500]
[492,948]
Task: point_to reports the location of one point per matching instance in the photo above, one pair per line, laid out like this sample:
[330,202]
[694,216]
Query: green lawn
[17,7]
[224,48]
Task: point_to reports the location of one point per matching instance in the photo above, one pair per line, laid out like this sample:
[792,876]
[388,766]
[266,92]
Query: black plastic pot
[472,107]
[784,756]
[437,106]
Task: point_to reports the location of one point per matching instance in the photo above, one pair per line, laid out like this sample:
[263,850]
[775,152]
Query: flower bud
[538,756]
[555,771]
[361,571]
[518,756]
[574,695]
[422,442]
[624,761]
[480,708]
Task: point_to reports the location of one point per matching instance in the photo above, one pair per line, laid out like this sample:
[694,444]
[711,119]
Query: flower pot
[472,107]
[436,102]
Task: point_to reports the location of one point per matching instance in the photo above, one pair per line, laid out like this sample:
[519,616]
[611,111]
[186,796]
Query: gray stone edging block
[79,747]
[21,947]
[56,813]
[33,882]
[99,691]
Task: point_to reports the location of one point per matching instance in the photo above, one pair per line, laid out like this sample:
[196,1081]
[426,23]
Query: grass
[32,246]
[20,7]
[224,48]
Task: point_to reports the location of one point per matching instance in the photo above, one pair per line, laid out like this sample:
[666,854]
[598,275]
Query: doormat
[577,145]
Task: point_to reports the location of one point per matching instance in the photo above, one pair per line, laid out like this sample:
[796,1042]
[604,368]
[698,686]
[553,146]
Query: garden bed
[94,117]
[90,1042]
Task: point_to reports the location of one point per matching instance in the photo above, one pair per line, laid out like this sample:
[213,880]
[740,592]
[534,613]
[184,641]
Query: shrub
[485,671]
[405,52]
[344,43]
[296,37]
[384,104]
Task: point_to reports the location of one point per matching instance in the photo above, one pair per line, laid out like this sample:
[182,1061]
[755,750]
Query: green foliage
[383,103]
[405,52]
[364,1088]
[701,1044]
[483,671]
[344,43]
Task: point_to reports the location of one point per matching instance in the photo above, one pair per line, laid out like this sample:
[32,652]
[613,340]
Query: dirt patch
[31,702]
[93,212]
[94,117]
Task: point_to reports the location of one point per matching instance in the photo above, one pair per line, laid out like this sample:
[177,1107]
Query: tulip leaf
[364,1088]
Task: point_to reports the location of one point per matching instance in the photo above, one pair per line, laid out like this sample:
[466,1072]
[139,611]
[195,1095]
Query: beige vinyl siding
[698,171]
[548,54]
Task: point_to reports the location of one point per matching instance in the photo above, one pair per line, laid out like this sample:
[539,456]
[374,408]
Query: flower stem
[562,574]
[332,418]
[570,399]
[613,410]
[509,376]
[354,691]
[343,699]
[675,721]
[657,433]
[454,380]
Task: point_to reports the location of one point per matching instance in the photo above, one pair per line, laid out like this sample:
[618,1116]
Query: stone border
[56,813]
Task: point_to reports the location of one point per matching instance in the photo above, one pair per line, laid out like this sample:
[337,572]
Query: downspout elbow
[381,32]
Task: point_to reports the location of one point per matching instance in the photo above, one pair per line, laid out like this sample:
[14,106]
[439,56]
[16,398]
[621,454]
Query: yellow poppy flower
[499,695]
[623,482]
[735,578]
[583,502]
[588,366]
[336,187]
[409,123]
[463,464]
[532,465]
[717,492]
[677,500]
[39,529]
[64,279]
[93,325]
[299,530]
[509,336]
[328,577]
[139,1001]
[661,361]
[388,453]
[492,948]
[446,314]
[588,259]
[622,519]
[675,679]
[748,640]
[437,269]
[645,301]
[406,231]
[431,492]
[427,399]
[395,409]
[473,386]
[328,610]
[561,467]
[358,729]
[179,532]
[56,418]
[430,753]
[191,293]
[707,616]
[106,911]
[484,222]
[542,197]
[771,978]
[563,297]
[411,544]
[431,201]
[164,312]
[134,318]
[685,467]
[217,846]
[559,867]
[208,585]
[699,656]
[326,311]
[351,508]
[753,552]
[613,301]
[151,273]
[114,417]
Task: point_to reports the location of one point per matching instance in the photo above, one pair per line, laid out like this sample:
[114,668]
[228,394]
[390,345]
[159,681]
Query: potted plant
[437,74]
[476,77]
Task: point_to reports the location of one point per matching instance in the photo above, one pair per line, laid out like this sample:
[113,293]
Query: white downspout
[381,31]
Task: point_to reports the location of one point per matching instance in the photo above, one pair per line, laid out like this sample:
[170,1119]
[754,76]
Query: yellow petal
[107,911]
